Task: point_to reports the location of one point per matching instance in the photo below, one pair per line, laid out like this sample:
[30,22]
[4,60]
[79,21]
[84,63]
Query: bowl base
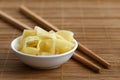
[52,67]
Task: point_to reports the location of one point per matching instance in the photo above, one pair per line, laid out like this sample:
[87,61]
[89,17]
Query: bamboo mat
[96,24]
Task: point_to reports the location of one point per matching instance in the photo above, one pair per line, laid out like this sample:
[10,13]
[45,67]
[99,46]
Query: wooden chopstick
[44,24]
[86,62]
[22,26]
[48,26]
[13,21]
[93,55]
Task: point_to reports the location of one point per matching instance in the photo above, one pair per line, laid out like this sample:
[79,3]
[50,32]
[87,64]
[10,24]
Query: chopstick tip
[108,66]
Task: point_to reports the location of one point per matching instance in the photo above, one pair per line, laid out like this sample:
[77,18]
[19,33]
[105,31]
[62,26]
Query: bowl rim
[14,41]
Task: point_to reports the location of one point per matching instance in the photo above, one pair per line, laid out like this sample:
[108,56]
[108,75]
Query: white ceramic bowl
[42,62]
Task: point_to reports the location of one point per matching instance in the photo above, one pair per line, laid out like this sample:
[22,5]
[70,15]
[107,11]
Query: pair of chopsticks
[46,25]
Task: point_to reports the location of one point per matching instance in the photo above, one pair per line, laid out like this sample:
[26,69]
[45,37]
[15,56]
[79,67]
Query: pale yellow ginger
[44,43]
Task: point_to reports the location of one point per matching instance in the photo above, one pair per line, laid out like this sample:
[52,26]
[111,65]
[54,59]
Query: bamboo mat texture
[96,24]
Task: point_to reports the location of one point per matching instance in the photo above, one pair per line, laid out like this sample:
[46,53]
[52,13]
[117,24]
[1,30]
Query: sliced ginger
[44,43]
